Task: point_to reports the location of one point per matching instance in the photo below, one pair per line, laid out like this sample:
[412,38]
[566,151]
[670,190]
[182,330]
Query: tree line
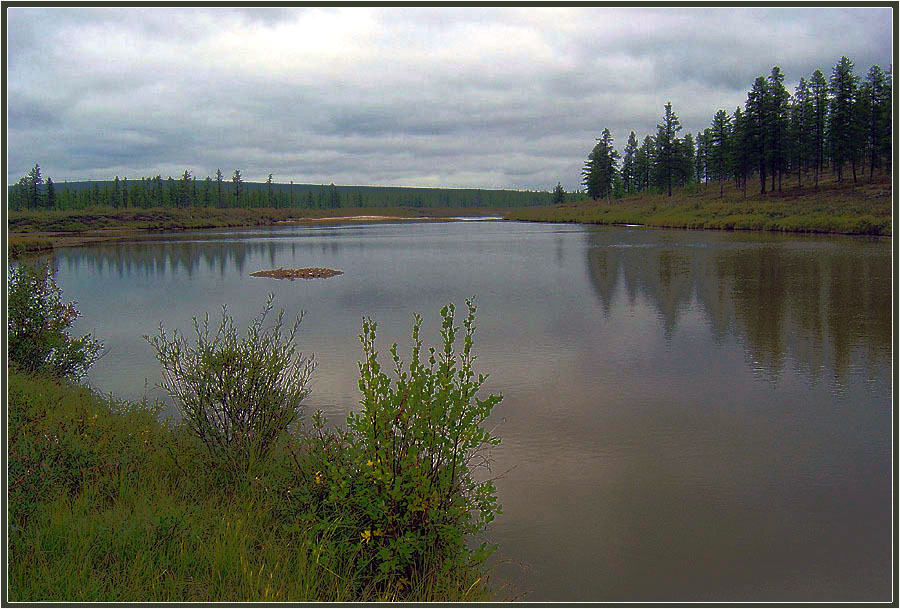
[33,192]
[842,125]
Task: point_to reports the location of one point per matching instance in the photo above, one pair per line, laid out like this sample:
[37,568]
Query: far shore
[41,241]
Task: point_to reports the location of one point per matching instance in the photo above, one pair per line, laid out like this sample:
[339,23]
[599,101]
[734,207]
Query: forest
[32,192]
[841,125]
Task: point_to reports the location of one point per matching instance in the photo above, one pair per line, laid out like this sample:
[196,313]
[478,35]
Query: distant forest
[31,192]
[841,125]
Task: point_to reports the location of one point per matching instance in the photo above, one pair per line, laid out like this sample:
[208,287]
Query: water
[687,416]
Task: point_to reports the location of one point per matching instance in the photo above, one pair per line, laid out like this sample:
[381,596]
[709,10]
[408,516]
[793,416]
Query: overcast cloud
[460,97]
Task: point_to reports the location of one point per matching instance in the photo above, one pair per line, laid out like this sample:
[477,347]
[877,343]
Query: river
[686,415]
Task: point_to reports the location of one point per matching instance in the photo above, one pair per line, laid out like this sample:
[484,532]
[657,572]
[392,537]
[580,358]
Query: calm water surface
[687,416]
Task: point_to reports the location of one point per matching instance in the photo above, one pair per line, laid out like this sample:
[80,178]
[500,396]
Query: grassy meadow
[863,208]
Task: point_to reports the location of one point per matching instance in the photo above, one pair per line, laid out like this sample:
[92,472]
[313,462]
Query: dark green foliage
[599,171]
[236,395]
[559,194]
[842,140]
[37,325]
[668,156]
[400,478]
[630,176]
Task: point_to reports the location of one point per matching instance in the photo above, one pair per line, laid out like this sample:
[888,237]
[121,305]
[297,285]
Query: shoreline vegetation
[863,208]
[245,498]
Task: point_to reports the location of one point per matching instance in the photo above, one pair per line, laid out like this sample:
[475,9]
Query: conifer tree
[238,187]
[720,147]
[51,194]
[559,194]
[666,148]
[841,124]
[629,165]
[819,92]
[777,120]
[219,176]
[600,169]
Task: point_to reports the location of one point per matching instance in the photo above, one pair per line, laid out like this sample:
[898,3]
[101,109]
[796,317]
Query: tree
[819,92]
[51,194]
[116,194]
[600,169]
[185,198]
[776,121]
[629,165]
[219,177]
[802,129]
[238,187]
[841,140]
[644,161]
[270,197]
[877,108]
[755,128]
[666,147]
[719,150]
[559,194]
[33,185]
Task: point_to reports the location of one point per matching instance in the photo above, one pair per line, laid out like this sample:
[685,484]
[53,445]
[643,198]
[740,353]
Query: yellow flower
[370,463]
[318,477]
[366,536]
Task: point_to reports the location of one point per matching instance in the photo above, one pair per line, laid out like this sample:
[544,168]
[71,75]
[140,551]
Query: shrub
[236,395]
[416,442]
[37,323]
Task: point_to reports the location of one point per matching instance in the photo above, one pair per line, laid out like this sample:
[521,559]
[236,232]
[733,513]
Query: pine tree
[51,194]
[219,176]
[777,119]
[33,185]
[559,194]
[756,128]
[238,187]
[720,147]
[877,106]
[666,152]
[644,162]
[819,92]
[843,89]
[270,197]
[629,165]
[600,169]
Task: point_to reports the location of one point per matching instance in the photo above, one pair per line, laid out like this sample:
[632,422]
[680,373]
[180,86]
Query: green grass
[20,246]
[863,208]
[108,503]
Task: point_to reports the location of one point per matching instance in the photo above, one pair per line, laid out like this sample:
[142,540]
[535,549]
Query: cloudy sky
[460,97]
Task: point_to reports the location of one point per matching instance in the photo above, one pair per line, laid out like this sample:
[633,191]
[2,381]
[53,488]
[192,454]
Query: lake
[686,415]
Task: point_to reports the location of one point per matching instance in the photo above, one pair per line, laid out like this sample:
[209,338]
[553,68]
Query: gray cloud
[474,97]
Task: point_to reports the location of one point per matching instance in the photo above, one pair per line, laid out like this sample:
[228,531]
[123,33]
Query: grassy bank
[107,503]
[863,208]
[20,246]
[102,218]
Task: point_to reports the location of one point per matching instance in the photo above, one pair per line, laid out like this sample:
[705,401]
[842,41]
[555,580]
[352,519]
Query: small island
[304,273]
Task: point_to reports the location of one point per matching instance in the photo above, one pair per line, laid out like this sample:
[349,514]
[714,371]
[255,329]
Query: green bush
[401,477]
[236,395]
[36,326]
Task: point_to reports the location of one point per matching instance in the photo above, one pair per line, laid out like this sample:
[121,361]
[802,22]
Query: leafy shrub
[236,395]
[410,454]
[37,323]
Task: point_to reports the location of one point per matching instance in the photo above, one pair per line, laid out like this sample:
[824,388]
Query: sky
[475,97]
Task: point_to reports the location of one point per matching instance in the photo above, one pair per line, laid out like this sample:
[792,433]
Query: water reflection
[157,258]
[822,304]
